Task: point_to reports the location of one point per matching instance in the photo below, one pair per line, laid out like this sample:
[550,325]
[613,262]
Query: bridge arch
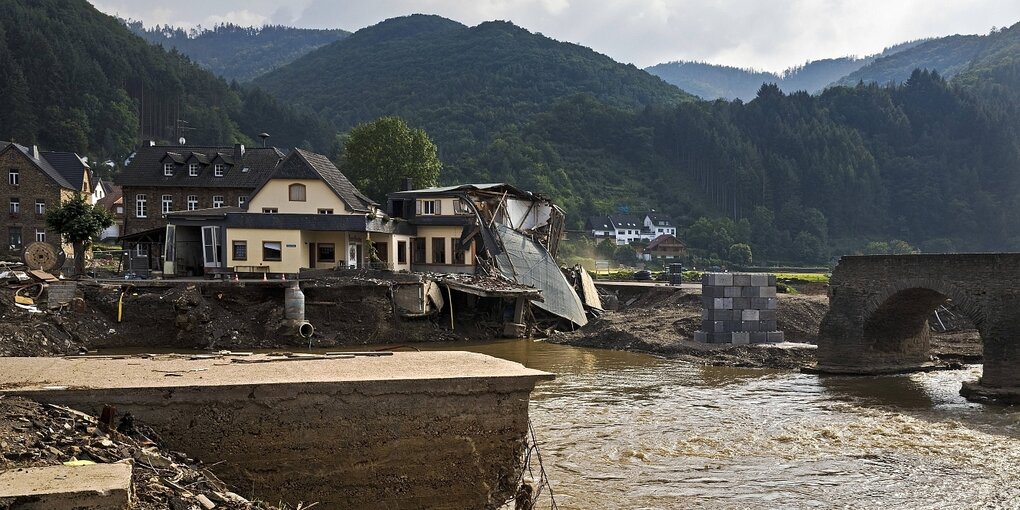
[895,326]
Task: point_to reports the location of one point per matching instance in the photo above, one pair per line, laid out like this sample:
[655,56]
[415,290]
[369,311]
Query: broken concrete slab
[88,487]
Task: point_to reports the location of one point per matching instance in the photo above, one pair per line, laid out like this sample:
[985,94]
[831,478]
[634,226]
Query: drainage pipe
[294,312]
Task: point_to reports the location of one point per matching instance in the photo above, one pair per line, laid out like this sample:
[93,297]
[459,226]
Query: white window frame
[167,203]
[192,202]
[40,235]
[429,207]
[168,169]
[325,211]
[270,210]
[14,177]
[15,207]
[241,200]
[40,206]
[218,169]
[217,201]
[141,207]
[193,170]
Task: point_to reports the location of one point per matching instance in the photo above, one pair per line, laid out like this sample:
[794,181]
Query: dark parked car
[643,274]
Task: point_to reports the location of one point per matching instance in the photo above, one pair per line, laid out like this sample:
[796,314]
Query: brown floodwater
[626,430]
[621,430]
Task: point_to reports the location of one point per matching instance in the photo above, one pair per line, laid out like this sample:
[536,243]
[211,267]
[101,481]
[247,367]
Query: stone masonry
[879,307]
[739,308]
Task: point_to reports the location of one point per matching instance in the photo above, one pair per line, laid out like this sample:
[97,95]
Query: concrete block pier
[411,430]
[739,308]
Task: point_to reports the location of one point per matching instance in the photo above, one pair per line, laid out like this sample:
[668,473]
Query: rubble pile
[35,435]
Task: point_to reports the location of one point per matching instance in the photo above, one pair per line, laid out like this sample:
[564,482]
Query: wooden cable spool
[44,256]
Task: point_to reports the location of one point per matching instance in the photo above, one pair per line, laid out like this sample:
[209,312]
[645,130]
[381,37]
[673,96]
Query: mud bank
[662,321]
[215,316]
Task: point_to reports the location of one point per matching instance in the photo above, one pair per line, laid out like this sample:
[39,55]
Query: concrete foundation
[93,487]
[411,430]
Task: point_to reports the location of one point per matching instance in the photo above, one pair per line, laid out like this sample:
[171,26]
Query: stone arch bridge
[879,308]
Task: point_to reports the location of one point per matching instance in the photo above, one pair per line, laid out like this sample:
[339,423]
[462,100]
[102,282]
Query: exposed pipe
[294,313]
[449,299]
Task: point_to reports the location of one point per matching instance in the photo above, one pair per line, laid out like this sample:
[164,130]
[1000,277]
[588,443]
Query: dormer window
[297,192]
[218,169]
[168,169]
[193,169]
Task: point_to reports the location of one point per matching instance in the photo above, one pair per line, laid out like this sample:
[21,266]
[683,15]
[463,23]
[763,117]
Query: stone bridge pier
[879,308]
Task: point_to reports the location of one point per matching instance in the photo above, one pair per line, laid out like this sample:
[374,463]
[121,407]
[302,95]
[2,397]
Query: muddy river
[626,430]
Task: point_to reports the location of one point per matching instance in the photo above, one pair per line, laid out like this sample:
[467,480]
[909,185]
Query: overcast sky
[763,34]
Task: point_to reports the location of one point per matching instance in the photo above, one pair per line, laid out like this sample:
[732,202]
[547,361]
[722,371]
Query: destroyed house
[494,230]
[304,214]
[33,182]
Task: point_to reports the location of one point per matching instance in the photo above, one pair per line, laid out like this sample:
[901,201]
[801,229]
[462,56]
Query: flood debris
[35,435]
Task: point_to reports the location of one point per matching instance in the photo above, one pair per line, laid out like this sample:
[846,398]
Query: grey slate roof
[68,164]
[626,221]
[599,223]
[660,220]
[45,166]
[146,167]
[302,164]
[497,187]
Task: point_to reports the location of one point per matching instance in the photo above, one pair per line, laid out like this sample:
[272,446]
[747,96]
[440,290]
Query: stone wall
[738,308]
[33,185]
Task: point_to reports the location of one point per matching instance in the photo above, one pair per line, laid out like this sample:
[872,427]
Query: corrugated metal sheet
[527,262]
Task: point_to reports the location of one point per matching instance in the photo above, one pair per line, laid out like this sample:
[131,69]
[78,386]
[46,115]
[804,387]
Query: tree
[625,255]
[78,222]
[378,154]
[740,253]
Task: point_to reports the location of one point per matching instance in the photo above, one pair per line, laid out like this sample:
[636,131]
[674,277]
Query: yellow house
[304,214]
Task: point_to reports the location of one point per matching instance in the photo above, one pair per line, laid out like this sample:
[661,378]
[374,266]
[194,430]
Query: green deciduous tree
[378,154]
[740,253]
[79,223]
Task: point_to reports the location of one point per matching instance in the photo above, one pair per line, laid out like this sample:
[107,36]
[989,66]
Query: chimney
[406,184]
[35,151]
[238,153]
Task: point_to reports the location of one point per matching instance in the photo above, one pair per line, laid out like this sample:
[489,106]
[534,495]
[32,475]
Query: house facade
[626,228]
[161,179]
[666,247]
[33,182]
[304,214]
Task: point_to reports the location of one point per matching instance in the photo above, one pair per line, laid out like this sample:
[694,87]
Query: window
[168,169]
[15,205]
[401,252]
[270,210]
[40,235]
[428,207]
[326,252]
[271,250]
[217,201]
[382,252]
[218,169]
[193,170]
[192,202]
[167,203]
[120,209]
[13,177]
[140,250]
[140,209]
[438,250]
[240,250]
[40,206]
[297,192]
[241,201]
[459,256]
[14,238]
[419,251]
[325,211]
[461,207]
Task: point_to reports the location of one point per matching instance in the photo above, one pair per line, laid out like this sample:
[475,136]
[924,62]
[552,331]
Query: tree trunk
[79,258]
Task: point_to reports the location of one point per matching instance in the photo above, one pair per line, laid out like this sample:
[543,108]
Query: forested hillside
[239,53]
[710,81]
[462,84]
[76,79]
